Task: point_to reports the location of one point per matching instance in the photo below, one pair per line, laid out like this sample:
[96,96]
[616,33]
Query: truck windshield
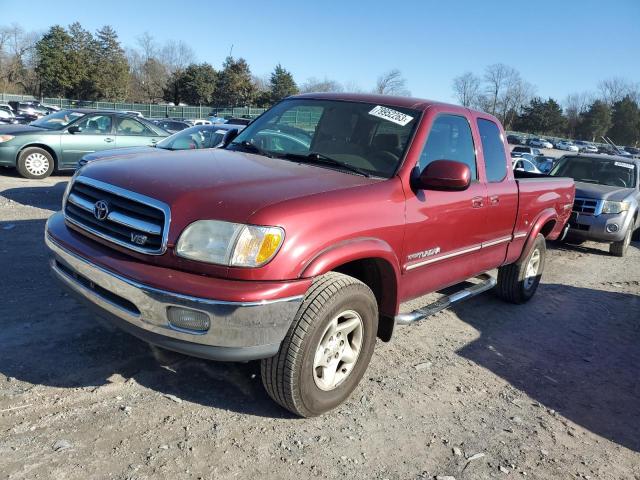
[591,170]
[353,137]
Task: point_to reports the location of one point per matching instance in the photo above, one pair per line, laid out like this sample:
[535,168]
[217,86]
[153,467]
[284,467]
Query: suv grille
[126,218]
[585,205]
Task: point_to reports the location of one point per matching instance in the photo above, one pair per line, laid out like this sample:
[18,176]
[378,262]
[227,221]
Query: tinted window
[495,161]
[129,126]
[450,139]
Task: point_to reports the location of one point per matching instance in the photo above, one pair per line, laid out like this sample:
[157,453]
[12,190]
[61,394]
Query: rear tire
[619,249]
[35,163]
[301,376]
[518,282]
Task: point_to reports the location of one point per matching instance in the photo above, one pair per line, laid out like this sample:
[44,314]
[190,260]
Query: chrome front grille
[125,218]
[587,206]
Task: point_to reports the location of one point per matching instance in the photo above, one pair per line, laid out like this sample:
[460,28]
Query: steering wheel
[384,160]
[619,181]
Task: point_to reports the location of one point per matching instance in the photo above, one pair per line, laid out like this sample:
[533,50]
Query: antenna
[231,51]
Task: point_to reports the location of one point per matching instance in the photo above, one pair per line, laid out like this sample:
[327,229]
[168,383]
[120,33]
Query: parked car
[567,146]
[515,140]
[42,106]
[216,119]
[586,147]
[607,197]
[517,151]
[7,115]
[238,121]
[245,253]
[200,121]
[134,113]
[171,126]
[524,164]
[28,108]
[544,163]
[193,138]
[60,139]
[540,143]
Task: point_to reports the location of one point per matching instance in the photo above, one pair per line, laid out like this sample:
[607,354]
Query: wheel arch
[373,262]
[44,147]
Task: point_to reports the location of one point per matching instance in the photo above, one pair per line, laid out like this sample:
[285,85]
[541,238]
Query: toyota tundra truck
[296,243]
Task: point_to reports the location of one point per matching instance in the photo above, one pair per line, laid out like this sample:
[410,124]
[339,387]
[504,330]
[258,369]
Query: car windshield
[357,137]
[602,172]
[194,138]
[58,120]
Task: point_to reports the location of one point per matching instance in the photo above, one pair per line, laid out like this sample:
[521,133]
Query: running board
[487,283]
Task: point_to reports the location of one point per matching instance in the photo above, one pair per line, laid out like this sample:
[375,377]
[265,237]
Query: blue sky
[559,46]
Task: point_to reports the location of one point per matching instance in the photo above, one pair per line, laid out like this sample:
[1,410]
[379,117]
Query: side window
[129,126]
[95,125]
[450,139]
[495,160]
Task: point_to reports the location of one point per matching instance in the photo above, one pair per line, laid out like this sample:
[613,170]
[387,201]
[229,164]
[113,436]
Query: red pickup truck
[296,242]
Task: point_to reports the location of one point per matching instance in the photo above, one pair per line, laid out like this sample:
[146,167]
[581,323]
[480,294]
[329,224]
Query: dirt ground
[546,390]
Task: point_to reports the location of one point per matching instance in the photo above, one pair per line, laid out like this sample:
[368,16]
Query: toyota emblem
[101,210]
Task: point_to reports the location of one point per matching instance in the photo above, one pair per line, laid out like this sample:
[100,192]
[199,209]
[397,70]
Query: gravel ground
[547,390]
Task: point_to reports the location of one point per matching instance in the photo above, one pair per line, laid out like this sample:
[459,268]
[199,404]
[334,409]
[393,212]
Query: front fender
[349,251]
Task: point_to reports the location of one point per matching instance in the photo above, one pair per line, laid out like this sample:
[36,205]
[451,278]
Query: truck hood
[218,184]
[121,152]
[602,192]
[20,129]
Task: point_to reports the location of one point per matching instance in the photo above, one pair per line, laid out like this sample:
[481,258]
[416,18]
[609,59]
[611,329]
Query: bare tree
[314,84]
[466,88]
[497,78]
[575,105]
[17,59]
[392,83]
[176,55]
[615,89]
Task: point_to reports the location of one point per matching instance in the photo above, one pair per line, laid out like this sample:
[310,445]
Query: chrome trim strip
[475,248]
[233,324]
[127,194]
[80,202]
[520,235]
[136,223]
[497,241]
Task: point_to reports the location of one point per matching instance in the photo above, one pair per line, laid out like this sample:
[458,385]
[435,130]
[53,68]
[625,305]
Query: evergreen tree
[235,86]
[625,122]
[595,122]
[541,117]
[111,72]
[82,62]
[54,68]
[282,84]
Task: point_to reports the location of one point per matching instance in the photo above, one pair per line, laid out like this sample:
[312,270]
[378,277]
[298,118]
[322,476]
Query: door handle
[477,202]
[494,200]
[108,140]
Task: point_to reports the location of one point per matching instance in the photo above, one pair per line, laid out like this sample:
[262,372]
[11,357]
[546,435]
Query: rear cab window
[495,159]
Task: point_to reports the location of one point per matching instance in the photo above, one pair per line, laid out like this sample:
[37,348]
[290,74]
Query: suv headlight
[614,207]
[232,244]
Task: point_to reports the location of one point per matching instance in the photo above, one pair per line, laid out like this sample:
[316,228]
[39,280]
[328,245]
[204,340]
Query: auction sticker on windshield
[625,165]
[391,115]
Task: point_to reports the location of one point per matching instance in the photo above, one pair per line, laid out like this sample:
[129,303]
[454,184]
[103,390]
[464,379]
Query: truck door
[502,192]
[444,229]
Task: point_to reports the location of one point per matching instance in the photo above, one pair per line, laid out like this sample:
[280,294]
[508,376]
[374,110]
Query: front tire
[518,282]
[35,163]
[619,249]
[327,349]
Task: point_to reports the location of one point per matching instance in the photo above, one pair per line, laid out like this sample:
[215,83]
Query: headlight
[6,138]
[227,243]
[615,207]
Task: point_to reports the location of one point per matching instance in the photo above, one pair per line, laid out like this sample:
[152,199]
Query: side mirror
[74,129]
[229,137]
[445,175]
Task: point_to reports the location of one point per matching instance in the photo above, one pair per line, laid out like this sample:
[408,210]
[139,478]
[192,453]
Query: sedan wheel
[35,163]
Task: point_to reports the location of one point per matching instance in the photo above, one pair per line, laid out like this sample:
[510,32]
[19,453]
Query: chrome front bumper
[238,331]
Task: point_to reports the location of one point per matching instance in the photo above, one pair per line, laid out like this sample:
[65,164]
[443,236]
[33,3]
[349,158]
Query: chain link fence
[149,110]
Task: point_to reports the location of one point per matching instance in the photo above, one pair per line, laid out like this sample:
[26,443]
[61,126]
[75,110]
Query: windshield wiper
[315,157]
[250,147]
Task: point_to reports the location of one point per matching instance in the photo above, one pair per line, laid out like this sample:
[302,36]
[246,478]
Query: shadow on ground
[574,350]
